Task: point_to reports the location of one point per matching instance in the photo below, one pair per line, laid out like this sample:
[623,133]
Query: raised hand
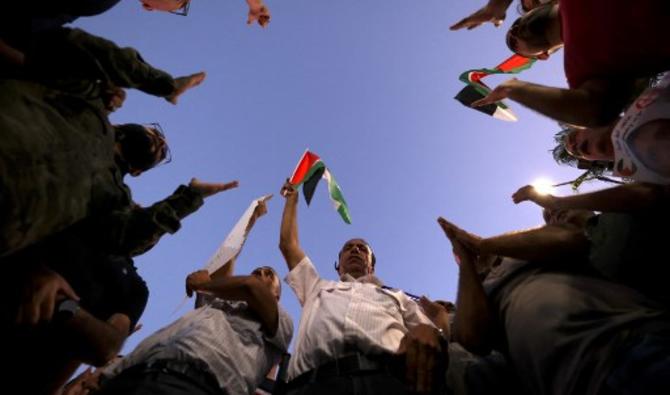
[529,193]
[500,92]
[262,208]
[182,84]
[288,191]
[258,12]
[465,245]
[493,12]
[469,240]
[196,280]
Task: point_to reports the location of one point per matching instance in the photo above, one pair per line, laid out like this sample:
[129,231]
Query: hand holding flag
[308,172]
[500,92]
[480,97]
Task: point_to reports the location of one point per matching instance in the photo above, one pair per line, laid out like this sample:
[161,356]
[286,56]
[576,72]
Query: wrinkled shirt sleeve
[134,230]
[303,279]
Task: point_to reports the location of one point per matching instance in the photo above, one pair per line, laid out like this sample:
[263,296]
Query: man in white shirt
[355,337]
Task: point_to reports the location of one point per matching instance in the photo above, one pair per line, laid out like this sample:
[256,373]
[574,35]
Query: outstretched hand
[499,93]
[209,188]
[492,12]
[182,84]
[258,12]
[529,193]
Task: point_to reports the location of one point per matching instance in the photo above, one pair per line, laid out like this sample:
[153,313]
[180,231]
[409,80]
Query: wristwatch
[67,309]
[444,339]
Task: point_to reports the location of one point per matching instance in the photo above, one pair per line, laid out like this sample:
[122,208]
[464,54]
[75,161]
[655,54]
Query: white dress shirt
[339,317]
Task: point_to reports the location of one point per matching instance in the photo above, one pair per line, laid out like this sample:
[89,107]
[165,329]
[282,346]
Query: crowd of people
[577,306]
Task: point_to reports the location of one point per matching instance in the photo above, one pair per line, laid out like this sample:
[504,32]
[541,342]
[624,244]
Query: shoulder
[282,337]
[305,269]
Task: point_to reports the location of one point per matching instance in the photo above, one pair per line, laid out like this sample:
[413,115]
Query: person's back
[48,181]
[226,345]
[614,39]
[566,331]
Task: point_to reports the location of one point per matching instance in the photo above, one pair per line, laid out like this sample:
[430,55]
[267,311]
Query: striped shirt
[225,336]
[341,316]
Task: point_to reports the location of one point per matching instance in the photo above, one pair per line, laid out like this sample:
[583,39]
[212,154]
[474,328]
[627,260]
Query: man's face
[158,150]
[268,276]
[591,144]
[355,258]
[521,41]
[163,5]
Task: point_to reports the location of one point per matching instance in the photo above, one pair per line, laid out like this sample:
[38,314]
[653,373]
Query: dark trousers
[372,383]
[160,381]
[642,369]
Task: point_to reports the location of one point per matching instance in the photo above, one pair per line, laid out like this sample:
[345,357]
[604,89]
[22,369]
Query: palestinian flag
[308,172]
[476,89]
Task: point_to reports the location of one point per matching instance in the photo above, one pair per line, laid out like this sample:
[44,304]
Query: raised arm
[134,230]
[228,268]
[245,288]
[546,242]
[288,235]
[92,58]
[623,198]
[494,11]
[474,322]
[594,103]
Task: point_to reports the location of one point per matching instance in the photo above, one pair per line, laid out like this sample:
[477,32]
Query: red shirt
[614,38]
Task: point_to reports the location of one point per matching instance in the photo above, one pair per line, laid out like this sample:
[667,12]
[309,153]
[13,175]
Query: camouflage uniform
[57,167]
[56,163]
[66,56]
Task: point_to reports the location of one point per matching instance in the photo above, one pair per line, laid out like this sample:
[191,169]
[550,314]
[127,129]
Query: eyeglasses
[162,149]
[183,11]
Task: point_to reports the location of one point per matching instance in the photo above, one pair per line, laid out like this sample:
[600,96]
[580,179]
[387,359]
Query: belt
[193,370]
[353,364]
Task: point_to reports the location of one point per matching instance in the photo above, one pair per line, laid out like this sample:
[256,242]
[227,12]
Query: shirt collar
[367,279]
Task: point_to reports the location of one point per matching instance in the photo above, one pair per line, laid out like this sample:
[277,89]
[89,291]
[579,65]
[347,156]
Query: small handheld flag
[308,172]
[476,89]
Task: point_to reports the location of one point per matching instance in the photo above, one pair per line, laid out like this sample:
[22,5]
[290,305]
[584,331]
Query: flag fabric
[308,172]
[470,94]
[476,89]
[336,197]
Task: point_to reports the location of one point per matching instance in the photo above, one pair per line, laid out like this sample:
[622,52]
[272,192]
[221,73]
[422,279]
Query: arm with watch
[93,340]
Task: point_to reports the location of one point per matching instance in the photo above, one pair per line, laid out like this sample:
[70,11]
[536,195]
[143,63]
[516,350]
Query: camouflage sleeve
[135,229]
[73,54]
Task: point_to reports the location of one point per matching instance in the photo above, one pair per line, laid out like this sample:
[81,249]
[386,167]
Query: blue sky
[369,86]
